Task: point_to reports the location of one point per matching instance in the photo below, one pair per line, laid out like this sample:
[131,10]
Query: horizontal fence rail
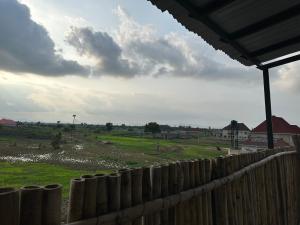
[249,189]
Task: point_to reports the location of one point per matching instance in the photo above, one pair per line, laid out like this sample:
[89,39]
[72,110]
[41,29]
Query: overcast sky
[125,61]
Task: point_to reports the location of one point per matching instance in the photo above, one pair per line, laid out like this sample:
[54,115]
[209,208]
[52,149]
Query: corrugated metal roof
[249,31]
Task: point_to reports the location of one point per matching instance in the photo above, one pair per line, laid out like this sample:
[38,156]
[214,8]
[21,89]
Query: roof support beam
[268,108]
[223,35]
[268,22]
[280,62]
[213,6]
[277,46]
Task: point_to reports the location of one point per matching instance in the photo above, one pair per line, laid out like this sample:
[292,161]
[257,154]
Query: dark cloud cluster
[102,47]
[136,50]
[25,46]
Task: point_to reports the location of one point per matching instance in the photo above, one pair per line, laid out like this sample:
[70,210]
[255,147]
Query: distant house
[243,132]
[281,130]
[282,133]
[8,123]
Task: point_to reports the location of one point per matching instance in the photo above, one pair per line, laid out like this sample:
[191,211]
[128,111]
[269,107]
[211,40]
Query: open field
[27,157]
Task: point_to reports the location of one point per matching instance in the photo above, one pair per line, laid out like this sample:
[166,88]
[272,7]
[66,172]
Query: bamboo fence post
[51,209]
[276,184]
[147,192]
[198,182]
[249,217]
[102,195]
[114,192]
[253,194]
[76,200]
[282,191]
[238,193]
[206,202]
[137,191]
[219,194]
[193,202]
[186,186]
[172,186]
[126,191]
[126,199]
[208,178]
[230,205]
[164,192]
[156,190]
[179,210]
[9,206]
[90,196]
[31,205]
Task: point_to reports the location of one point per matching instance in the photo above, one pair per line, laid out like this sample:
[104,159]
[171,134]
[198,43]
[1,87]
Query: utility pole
[73,127]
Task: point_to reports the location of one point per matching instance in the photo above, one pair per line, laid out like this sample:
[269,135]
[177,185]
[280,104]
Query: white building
[243,132]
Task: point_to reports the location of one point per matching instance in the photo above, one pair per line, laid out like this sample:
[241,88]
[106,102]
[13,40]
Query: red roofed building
[8,123]
[282,132]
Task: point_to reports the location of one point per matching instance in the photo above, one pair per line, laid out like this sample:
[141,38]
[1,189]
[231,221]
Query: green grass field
[23,174]
[168,149]
[100,152]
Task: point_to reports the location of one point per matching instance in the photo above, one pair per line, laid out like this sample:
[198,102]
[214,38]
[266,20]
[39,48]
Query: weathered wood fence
[250,189]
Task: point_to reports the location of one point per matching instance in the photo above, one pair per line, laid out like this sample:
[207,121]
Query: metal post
[268,108]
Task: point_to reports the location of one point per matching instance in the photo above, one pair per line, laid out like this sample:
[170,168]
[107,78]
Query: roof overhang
[251,31]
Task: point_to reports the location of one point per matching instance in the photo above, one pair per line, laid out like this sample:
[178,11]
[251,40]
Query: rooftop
[280,125]
[250,31]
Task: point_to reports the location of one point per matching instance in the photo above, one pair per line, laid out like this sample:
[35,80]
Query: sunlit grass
[23,174]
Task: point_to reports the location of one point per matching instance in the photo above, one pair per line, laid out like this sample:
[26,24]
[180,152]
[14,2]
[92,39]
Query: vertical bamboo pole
[102,195]
[248,219]
[126,190]
[165,192]
[179,210]
[238,193]
[282,191]
[219,195]
[172,190]
[192,202]
[147,192]
[31,205]
[198,182]
[9,206]
[76,200]
[114,192]
[51,209]
[156,190]
[186,186]
[137,190]
[230,206]
[206,202]
[208,178]
[90,196]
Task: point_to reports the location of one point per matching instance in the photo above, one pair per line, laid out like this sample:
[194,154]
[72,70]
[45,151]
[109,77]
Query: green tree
[109,126]
[152,127]
[56,142]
